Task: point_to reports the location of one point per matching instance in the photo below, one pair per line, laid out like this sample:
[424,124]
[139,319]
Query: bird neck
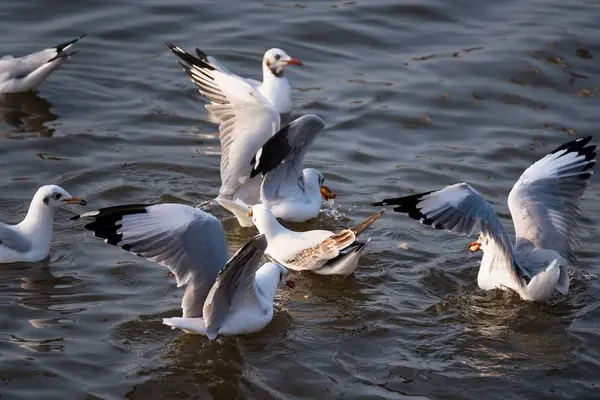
[276,89]
[38,223]
[271,227]
[267,281]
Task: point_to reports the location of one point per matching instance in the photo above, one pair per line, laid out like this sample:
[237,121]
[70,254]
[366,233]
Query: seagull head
[54,196]
[283,278]
[276,60]
[314,177]
[263,218]
[479,244]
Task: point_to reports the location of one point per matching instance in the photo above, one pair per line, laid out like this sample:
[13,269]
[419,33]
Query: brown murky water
[416,95]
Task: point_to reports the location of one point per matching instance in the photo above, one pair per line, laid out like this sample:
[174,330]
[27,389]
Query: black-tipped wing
[544,201]
[20,68]
[235,285]
[281,158]
[220,87]
[188,241]
[457,208]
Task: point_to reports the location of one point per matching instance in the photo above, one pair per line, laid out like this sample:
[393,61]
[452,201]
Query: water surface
[416,95]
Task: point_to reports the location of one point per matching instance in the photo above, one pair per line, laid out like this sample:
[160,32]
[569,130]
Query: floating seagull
[544,208]
[28,72]
[253,146]
[221,86]
[319,251]
[30,240]
[222,297]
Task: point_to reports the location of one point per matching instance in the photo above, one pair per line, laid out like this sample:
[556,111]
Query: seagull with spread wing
[222,297]
[544,208]
[221,86]
[28,72]
[262,163]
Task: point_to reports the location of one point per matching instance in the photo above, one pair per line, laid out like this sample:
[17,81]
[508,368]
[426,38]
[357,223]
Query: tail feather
[238,208]
[63,46]
[541,287]
[189,325]
[360,228]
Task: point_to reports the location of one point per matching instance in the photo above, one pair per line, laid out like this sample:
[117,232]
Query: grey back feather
[13,240]
[236,280]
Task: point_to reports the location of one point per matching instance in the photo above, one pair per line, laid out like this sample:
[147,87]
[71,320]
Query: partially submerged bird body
[31,239]
[544,207]
[222,297]
[28,72]
[247,317]
[320,251]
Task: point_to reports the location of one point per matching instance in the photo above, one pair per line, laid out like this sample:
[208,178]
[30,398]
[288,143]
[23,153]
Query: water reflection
[26,114]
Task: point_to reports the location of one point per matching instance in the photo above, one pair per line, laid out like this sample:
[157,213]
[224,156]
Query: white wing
[544,201]
[235,285]
[12,240]
[245,128]
[281,158]
[188,241]
[457,208]
[216,83]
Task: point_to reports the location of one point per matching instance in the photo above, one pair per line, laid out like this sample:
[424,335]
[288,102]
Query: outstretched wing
[457,208]
[219,86]
[280,159]
[235,281]
[186,240]
[244,129]
[544,201]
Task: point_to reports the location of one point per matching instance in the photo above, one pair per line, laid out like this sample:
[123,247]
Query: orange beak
[475,246]
[249,212]
[76,200]
[295,61]
[326,193]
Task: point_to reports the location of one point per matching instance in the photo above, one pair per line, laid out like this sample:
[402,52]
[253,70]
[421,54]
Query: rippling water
[416,95]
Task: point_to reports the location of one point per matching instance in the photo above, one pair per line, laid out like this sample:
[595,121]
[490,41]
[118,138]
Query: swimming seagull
[28,72]
[222,297]
[322,252]
[221,86]
[544,207]
[31,239]
[253,147]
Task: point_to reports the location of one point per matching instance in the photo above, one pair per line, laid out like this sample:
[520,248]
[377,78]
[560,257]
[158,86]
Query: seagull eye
[57,196]
[277,56]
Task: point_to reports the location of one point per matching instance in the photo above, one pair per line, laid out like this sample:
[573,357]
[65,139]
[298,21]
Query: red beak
[295,61]
[290,283]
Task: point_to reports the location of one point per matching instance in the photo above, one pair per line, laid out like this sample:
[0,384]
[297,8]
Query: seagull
[544,207]
[28,72]
[262,163]
[222,297]
[322,252]
[30,240]
[221,86]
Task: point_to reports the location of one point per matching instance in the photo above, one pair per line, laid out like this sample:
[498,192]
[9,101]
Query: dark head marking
[46,200]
